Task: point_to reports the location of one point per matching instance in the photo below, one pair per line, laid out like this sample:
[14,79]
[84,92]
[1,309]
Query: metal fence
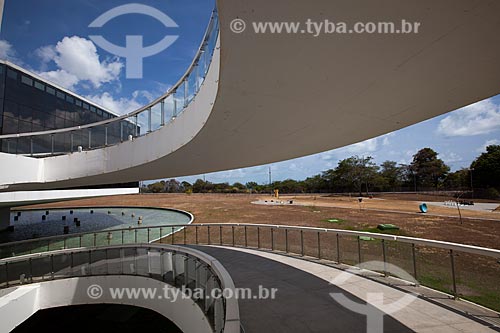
[463,271]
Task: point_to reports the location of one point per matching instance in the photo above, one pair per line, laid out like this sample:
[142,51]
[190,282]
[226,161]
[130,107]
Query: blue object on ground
[423,207]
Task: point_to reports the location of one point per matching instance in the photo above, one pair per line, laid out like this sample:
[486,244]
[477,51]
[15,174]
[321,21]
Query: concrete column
[4,218]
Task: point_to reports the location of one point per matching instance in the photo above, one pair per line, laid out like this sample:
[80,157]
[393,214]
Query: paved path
[303,302]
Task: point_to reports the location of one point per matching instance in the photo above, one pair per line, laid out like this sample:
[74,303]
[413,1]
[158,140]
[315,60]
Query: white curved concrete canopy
[281,96]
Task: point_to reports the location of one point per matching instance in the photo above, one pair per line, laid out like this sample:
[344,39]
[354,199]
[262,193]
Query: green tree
[430,170]
[486,169]
[391,176]
[355,172]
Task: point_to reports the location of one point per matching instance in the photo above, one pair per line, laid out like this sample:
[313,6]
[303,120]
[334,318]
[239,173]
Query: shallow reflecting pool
[37,223]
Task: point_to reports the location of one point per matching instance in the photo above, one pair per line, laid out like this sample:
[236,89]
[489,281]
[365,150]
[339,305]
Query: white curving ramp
[271,97]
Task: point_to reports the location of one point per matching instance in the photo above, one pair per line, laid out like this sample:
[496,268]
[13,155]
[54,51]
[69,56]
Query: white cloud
[7,51]
[478,118]
[482,149]
[77,58]
[120,106]
[366,146]
[450,157]
[61,78]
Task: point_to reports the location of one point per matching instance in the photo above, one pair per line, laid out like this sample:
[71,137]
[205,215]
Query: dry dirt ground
[480,228]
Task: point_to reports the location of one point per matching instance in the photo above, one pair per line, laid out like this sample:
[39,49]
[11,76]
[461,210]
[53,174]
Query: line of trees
[426,172]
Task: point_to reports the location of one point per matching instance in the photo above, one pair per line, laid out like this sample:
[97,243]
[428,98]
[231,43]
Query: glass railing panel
[42,144]
[19,272]
[3,275]
[179,99]
[98,264]
[113,133]
[169,108]
[434,268]
[371,249]
[81,262]
[143,122]
[401,255]
[156,116]
[328,241]
[115,261]
[128,261]
[142,262]
[62,265]
[311,243]
[349,249]
[62,143]
[477,279]
[294,237]
[143,236]
[41,268]
[23,145]
[179,268]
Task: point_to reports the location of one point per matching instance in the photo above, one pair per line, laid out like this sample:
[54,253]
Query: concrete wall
[22,302]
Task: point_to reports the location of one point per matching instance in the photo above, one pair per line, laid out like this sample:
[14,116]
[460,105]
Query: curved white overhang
[281,96]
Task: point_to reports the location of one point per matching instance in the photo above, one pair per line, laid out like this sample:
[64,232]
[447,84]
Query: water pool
[31,223]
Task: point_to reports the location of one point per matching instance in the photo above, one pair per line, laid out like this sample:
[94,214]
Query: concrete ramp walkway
[303,302]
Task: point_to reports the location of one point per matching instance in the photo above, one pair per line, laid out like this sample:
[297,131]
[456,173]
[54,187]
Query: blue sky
[51,38]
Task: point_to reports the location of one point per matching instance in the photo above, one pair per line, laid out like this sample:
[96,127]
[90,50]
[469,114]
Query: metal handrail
[170,92]
[403,239]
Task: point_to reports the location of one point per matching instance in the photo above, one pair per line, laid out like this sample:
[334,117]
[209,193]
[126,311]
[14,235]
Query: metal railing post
[90,138]
[136,128]
[453,275]
[319,246]
[384,256]
[302,243]
[186,91]
[121,131]
[172,235]
[174,113]
[148,235]
[184,232]
[196,233]
[338,248]
[272,239]
[258,237]
[246,240]
[161,235]
[414,255]
[220,235]
[52,145]
[208,234]
[286,240]
[232,231]
[31,145]
[359,250]
[105,136]
[162,111]
[149,120]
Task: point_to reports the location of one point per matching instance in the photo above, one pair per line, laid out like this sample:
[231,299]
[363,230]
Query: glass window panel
[69,99]
[26,80]
[60,94]
[39,86]
[93,109]
[85,106]
[51,90]
[11,74]
[78,102]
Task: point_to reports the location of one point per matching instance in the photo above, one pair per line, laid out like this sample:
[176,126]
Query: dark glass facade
[28,104]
